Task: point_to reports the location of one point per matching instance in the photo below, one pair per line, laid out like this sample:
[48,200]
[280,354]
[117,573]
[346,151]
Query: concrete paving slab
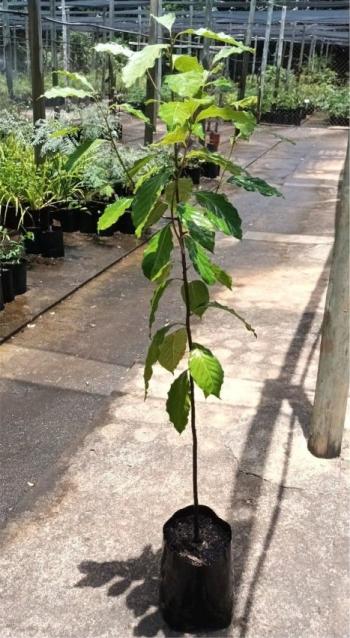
[87,555]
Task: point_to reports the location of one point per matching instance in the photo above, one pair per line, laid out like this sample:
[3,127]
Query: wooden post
[332,383]
[280,50]
[246,55]
[153,82]
[327,51]
[265,55]
[36,60]
[7,50]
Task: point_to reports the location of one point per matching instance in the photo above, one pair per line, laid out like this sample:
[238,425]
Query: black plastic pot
[211,170]
[52,242]
[10,218]
[88,222]
[33,246]
[196,589]
[195,174]
[8,288]
[339,120]
[69,219]
[125,224]
[19,275]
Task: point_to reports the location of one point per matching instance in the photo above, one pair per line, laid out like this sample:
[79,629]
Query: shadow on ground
[140,575]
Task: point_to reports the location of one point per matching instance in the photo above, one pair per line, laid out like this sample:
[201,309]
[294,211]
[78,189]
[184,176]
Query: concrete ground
[90,472]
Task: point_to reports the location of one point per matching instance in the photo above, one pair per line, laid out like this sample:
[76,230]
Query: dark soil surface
[214,539]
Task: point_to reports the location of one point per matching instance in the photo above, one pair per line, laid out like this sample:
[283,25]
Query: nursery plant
[196,583]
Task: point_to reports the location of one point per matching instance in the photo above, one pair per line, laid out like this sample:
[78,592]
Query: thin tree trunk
[332,384]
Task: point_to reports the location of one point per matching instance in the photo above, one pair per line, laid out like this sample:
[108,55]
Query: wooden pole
[36,60]
[153,82]
[280,49]
[246,56]
[7,50]
[265,55]
[332,385]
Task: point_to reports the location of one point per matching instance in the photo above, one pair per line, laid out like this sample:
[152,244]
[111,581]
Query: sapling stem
[180,235]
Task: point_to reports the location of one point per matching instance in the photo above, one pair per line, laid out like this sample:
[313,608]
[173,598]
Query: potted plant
[196,578]
[12,253]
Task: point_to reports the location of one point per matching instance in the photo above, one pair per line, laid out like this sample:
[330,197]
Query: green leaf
[186,84]
[154,215]
[77,77]
[140,163]
[178,404]
[172,349]
[198,296]
[197,129]
[185,63]
[140,61]
[62,132]
[177,136]
[222,276]
[114,48]
[66,91]
[223,84]
[223,112]
[225,52]
[220,212]
[156,297]
[184,190]
[146,198]
[157,254]
[206,370]
[209,271]
[208,156]
[166,20]
[178,113]
[135,112]
[246,103]
[219,37]
[250,183]
[86,147]
[245,122]
[113,212]
[152,354]
[216,304]
[198,225]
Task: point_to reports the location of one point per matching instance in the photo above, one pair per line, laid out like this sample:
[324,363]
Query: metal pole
[26,35]
[189,50]
[280,49]
[139,25]
[302,47]
[15,50]
[64,35]
[36,59]
[254,54]
[154,80]
[7,50]
[290,54]
[54,64]
[265,55]
[332,383]
[208,24]
[247,42]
